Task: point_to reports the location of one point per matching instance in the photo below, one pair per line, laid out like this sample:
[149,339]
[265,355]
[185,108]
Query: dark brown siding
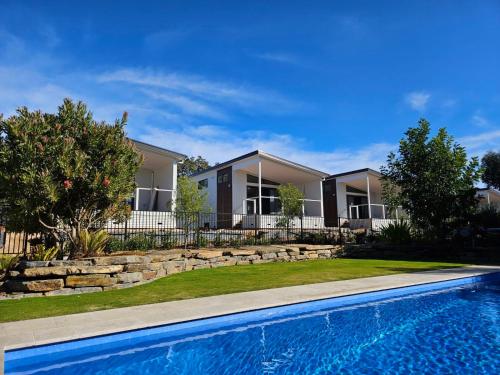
[330,202]
[225,198]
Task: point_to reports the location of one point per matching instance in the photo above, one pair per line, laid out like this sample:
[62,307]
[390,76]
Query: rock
[161,273]
[301,257]
[139,267]
[34,285]
[118,286]
[90,280]
[242,262]
[312,256]
[317,247]
[324,252]
[209,254]
[238,252]
[154,266]
[119,260]
[99,269]
[269,256]
[33,263]
[13,273]
[61,263]
[131,277]
[201,266]
[293,251]
[266,250]
[62,292]
[148,275]
[48,271]
[282,254]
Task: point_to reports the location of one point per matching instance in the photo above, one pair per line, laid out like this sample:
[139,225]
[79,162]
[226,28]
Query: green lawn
[209,282]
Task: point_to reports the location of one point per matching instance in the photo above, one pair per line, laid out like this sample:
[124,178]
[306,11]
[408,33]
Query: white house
[153,201]
[156,179]
[356,196]
[488,197]
[243,190]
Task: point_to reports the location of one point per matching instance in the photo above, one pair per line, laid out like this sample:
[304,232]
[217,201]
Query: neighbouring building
[243,191]
[488,197]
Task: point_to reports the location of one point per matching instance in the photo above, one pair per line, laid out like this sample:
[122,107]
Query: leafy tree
[291,199]
[190,203]
[434,179]
[491,169]
[192,165]
[64,173]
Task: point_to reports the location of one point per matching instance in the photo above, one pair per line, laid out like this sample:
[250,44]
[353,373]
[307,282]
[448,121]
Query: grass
[209,282]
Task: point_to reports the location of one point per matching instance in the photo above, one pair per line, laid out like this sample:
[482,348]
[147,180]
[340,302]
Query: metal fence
[146,230]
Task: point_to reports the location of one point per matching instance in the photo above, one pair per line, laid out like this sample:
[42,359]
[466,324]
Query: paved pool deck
[69,327]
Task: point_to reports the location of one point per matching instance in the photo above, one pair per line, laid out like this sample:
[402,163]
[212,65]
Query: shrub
[167,241]
[114,244]
[398,232]
[142,241]
[7,262]
[43,253]
[92,243]
[488,217]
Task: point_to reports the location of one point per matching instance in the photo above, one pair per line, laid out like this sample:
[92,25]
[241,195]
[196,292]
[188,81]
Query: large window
[203,184]
[270,200]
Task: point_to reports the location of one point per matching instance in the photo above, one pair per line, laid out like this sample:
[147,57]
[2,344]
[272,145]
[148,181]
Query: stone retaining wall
[63,277]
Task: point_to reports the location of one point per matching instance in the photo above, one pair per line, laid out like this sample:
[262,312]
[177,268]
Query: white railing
[152,197]
[370,214]
[255,199]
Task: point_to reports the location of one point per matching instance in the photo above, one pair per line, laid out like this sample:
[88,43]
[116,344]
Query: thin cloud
[278,57]
[479,144]
[218,144]
[418,100]
[242,96]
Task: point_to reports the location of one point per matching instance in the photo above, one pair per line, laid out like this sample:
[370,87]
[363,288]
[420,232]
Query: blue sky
[330,84]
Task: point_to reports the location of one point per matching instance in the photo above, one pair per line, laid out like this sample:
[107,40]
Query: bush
[488,217]
[93,243]
[7,263]
[43,253]
[399,232]
[142,241]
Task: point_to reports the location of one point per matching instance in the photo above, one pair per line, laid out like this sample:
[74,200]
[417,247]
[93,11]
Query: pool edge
[475,272]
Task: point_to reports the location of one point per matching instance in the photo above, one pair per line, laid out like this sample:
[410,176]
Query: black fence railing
[145,230]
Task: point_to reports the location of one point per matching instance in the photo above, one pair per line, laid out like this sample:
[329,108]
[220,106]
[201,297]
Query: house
[243,191]
[488,197]
[153,201]
[356,196]
[156,179]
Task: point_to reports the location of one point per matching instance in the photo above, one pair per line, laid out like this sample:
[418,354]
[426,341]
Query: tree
[65,173]
[491,169]
[190,203]
[192,165]
[434,179]
[291,199]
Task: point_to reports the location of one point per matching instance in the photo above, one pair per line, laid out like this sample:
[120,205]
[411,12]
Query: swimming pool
[446,327]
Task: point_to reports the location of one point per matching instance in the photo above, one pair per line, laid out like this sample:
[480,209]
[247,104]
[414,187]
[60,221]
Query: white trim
[368,195]
[260,187]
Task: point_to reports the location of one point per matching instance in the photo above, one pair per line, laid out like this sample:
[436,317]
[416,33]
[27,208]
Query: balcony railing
[153,195]
[375,211]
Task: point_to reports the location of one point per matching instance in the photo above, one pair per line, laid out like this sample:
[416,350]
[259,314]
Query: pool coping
[36,332]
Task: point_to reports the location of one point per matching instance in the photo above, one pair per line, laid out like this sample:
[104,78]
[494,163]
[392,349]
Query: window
[203,184]
[255,180]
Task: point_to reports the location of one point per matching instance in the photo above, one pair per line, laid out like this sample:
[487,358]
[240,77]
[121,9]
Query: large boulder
[34,285]
[77,281]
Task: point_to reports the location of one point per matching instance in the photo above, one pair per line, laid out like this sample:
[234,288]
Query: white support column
[368,193]
[137,199]
[174,187]
[488,199]
[260,187]
[321,197]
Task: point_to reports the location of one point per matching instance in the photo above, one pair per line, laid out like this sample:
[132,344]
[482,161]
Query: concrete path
[60,328]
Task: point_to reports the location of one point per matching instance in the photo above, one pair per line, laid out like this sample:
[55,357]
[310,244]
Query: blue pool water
[441,328]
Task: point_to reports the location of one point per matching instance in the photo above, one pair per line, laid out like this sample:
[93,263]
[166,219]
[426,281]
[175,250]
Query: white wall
[312,190]
[342,200]
[211,176]
[239,191]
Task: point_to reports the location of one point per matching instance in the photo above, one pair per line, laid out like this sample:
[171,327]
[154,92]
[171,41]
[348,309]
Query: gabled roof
[264,155]
[368,170]
[159,150]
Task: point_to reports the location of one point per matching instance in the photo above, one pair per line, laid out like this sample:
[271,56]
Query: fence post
[126,230]
[301,228]
[340,231]
[255,227]
[198,220]
[25,244]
